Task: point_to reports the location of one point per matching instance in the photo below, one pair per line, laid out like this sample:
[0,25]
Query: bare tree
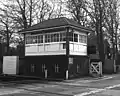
[21,14]
[6,31]
[99,18]
[100,15]
[89,12]
[58,6]
[75,7]
[112,23]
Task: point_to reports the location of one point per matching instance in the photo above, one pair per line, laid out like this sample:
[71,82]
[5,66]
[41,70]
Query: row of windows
[56,37]
[77,38]
[57,68]
[34,39]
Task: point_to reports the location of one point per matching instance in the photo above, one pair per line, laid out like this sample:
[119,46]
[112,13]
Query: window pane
[85,39]
[62,36]
[75,37]
[70,36]
[26,39]
[31,39]
[57,37]
[40,39]
[49,38]
[46,38]
[52,37]
[34,39]
[80,38]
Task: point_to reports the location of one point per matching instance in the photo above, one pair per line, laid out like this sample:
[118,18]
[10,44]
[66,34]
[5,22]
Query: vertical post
[99,64]
[66,74]
[44,42]
[67,50]
[100,69]
[45,73]
[67,42]
[89,67]
[114,66]
[24,44]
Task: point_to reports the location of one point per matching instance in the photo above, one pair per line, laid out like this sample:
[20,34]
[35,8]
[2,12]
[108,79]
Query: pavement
[108,85]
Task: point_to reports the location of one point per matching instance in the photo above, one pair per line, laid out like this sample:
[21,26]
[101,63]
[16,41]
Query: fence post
[89,67]
[100,69]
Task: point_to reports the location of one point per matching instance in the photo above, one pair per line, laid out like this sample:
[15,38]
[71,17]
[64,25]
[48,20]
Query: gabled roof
[53,23]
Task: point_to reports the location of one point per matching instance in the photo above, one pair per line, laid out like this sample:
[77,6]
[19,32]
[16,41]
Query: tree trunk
[102,54]
[7,30]
[30,22]
[100,41]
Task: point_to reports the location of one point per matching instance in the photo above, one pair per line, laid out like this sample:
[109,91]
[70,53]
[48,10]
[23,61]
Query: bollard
[45,73]
[66,74]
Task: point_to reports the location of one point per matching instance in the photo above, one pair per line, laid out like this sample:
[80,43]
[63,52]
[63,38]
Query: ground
[109,85]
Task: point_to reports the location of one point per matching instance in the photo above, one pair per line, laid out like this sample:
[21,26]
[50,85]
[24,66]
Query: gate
[96,68]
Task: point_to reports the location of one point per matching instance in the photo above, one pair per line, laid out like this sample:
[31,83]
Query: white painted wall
[45,49]
[52,47]
[41,48]
[78,49]
[56,49]
[31,48]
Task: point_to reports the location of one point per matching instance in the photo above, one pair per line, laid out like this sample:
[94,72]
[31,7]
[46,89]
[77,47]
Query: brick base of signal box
[63,62]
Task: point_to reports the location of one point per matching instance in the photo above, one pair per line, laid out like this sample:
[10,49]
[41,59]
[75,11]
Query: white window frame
[75,38]
[71,36]
[32,68]
[57,68]
[40,39]
[28,39]
[55,39]
[35,38]
[62,36]
[83,39]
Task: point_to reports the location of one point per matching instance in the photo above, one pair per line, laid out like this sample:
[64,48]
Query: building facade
[58,46]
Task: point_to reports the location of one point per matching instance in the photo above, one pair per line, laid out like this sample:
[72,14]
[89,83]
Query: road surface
[107,86]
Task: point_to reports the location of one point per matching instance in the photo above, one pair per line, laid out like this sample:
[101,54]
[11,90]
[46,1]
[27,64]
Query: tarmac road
[107,86]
